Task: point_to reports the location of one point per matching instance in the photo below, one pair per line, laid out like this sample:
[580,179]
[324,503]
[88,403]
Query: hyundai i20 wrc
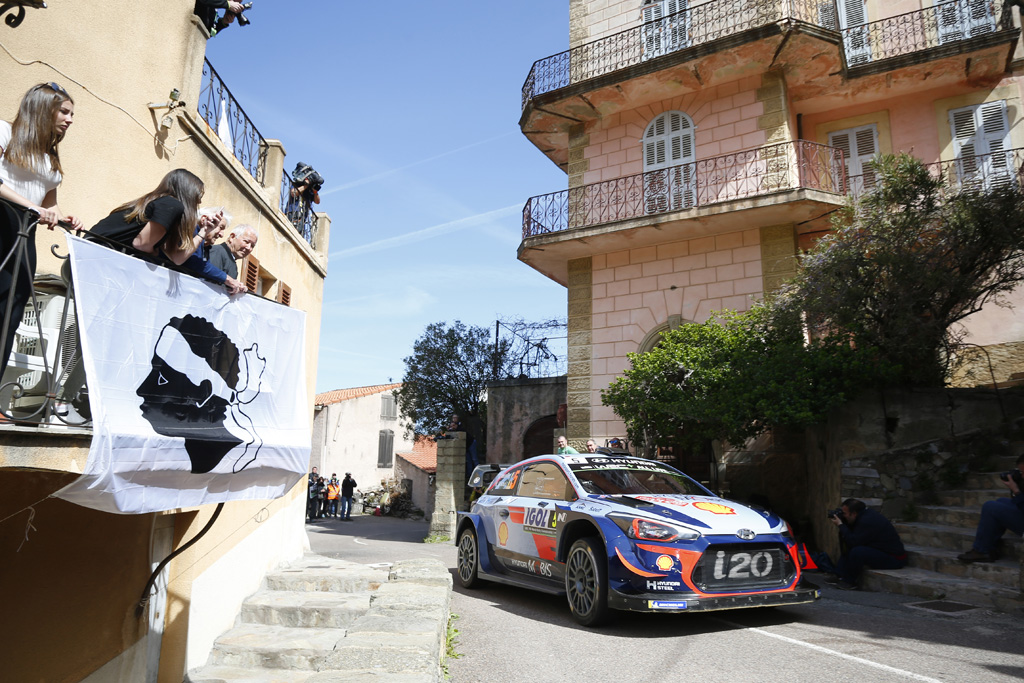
[616,532]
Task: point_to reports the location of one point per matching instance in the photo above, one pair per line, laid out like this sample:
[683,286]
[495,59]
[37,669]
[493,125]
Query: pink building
[705,145]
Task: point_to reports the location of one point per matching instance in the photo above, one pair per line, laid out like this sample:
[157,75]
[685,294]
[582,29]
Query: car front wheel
[586,582]
[468,552]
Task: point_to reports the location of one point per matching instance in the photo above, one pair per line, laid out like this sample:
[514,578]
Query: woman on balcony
[162,222]
[30,173]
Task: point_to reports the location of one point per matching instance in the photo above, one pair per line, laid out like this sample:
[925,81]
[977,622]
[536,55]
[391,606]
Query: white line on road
[356,540]
[825,650]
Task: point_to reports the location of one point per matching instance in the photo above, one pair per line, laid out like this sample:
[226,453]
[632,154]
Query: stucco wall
[514,405]
[422,486]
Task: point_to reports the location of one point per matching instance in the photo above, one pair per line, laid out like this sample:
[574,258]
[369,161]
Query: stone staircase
[323,620]
[943,531]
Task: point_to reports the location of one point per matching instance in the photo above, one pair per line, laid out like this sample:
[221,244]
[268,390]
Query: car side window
[545,480]
[505,485]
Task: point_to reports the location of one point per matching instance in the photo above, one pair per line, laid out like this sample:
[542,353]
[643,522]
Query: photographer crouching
[998,516]
[304,192]
[870,540]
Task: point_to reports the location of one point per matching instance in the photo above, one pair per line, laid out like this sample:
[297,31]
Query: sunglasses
[58,89]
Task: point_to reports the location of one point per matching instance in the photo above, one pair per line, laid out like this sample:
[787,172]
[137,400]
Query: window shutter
[651,32]
[859,146]
[980,141]
[252,274]
[384,448]
[284,294]
[668,143]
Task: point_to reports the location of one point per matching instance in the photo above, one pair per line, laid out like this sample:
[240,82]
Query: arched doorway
[539,436]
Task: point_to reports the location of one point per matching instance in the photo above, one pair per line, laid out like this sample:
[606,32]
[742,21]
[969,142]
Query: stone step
[986,480]
[1002,572]
[955,539]
[233,674]
[257,646]
[948,515]
[934,586]
[304,609]
[314,573]
[970,497]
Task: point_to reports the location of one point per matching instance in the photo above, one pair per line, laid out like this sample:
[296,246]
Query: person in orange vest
[333,489]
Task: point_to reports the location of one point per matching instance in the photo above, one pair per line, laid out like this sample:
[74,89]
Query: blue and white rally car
[616,532]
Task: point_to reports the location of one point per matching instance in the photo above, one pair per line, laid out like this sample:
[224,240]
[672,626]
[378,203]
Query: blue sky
[410,112]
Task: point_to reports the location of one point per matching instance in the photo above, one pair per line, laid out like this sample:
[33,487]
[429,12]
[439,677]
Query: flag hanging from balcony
[196,397]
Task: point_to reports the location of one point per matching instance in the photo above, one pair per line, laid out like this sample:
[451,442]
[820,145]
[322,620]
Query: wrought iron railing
[941,24]
[44,340]
[980,172]
[229,122]
[298,209]
[741,175]
[693,26]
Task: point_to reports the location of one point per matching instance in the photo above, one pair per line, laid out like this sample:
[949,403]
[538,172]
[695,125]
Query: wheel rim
[581,584]
[467,557]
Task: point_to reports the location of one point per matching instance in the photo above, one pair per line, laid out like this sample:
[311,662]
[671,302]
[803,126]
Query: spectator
[206,10]
[997,516]
[564,448]
[871,541]
[239,244]
[30,173]
[315,487]
[333,490]
[161,222]
[214,221]
[348,487]
[591,446]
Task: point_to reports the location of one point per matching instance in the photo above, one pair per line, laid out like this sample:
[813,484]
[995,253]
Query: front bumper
[693,602]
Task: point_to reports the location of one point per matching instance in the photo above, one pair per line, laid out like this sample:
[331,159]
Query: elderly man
[213,221]
[239,244]
[591,446]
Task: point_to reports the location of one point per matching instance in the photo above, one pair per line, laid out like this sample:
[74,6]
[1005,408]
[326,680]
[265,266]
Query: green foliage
[437,538]
[450,641]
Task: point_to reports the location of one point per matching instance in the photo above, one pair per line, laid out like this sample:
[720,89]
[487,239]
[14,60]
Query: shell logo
[664,562]
[503,534]
[714,508]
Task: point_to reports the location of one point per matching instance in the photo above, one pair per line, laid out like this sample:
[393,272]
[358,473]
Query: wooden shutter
[284,294]
[980,140]
[252,274]
[853,15]
[652,29]
[859,146]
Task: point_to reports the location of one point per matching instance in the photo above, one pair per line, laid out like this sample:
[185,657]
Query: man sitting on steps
[997,516]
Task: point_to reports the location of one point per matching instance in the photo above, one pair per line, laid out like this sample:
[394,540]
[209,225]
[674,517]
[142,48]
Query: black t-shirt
[167,211]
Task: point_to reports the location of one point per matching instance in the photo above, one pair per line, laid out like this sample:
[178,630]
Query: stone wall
[449,485]
[512,406]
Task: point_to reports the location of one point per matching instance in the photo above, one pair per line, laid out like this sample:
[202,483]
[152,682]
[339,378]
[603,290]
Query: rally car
[616,532]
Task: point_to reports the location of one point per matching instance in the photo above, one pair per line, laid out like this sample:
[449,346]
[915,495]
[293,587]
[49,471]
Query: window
[388,407]
[668,163]
[859,146]
[386,447]
[853,19]
[284,294]
[251,269]
[664,30]
[981,139]
[506,483]
[545,480]
[963,19]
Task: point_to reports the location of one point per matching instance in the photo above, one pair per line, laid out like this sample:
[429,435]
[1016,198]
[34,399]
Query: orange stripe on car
[636,570]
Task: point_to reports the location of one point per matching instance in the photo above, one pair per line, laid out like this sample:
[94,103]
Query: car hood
[708,514]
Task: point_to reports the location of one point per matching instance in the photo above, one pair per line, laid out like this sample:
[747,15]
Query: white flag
[224,125]
[196,397]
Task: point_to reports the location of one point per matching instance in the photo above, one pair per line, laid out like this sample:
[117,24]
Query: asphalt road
[509,634]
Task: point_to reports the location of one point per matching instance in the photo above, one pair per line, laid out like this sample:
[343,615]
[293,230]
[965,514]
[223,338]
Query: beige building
[705,145]
[71,577]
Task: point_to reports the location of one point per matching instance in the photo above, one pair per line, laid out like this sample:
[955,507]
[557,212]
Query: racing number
[743,565]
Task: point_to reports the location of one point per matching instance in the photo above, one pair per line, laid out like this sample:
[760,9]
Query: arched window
[669,172]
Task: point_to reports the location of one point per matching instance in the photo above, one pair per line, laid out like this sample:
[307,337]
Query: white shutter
[651,30]
[964,19]
[980,143]
[853,18]
[859,146]
[668,163]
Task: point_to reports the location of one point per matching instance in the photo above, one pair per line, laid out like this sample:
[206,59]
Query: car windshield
[633,478]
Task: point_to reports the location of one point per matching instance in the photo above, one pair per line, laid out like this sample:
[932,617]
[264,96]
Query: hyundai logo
[746,534]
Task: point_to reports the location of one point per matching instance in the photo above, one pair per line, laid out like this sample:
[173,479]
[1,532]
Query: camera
[242,19]
[838,513]
[305,174]
[1012,474]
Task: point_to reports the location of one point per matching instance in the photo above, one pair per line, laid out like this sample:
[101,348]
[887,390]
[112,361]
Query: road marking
[359,542]
[836,653]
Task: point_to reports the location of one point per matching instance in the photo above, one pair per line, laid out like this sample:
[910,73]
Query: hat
[348,474]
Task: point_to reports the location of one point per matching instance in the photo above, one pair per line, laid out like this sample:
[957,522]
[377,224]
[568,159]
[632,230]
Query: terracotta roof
[424,454]
[339,395]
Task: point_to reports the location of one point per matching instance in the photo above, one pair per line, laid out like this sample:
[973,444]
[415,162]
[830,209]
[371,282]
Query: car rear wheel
[468,557]
[586,582]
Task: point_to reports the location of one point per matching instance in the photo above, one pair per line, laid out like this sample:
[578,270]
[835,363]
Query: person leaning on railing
[206,10]
[30,171]
[213,221]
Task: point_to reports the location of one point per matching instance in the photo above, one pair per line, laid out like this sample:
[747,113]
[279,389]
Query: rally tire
[469,559]
[586,582]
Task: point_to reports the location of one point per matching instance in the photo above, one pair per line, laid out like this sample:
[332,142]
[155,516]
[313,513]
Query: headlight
[649,530]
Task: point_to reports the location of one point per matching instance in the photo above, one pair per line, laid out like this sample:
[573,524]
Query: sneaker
[847,586]
[973,555]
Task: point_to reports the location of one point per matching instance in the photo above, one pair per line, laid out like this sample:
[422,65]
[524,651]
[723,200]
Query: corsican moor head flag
[196,397]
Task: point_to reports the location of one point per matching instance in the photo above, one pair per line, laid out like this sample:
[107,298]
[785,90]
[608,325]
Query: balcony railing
[693,26]
[942,24]
[981,172]
[298,209]
[741,175]
[228,120]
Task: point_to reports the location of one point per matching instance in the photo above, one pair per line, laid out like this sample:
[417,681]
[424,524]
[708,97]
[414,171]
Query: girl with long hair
[30,172]
[161,222]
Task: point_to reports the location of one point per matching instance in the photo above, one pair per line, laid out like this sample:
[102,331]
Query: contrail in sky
[426,233]
[391,171]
